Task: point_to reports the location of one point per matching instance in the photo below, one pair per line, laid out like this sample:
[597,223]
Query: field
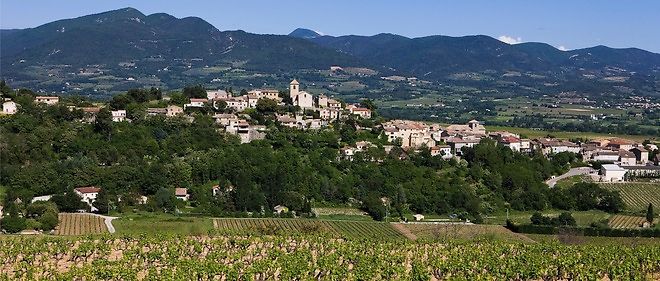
[80,224]
[582,218]
[531,133]
[345,229]
[445,232]
[637,196]
[315,258]
[152,223]
[621,221]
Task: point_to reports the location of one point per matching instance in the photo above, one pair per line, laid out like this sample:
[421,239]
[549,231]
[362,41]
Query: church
[300,98]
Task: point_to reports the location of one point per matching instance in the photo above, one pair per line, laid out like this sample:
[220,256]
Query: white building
[118,115]
[195,103]
[612,173]
[88,195]
[9,107]
[329,113]
[442,150]
[302,99]
[47,100]
[362,112]
[181,194]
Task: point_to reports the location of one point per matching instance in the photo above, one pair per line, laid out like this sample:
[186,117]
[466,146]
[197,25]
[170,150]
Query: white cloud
[562,48]
[510,40]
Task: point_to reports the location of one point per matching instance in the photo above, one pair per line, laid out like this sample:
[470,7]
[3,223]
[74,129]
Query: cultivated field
[315,258]
[461,232]
[621,221]
[80,224]
[346,229]
[637,196]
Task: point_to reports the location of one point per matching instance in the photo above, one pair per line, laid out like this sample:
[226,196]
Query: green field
[345,229]
[532,134]
[582,218]
[152,223]
[637,196]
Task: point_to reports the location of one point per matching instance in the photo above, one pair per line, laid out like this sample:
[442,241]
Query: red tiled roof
[88,189]
[180,191]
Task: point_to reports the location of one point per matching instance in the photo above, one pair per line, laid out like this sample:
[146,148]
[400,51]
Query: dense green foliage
[47,150]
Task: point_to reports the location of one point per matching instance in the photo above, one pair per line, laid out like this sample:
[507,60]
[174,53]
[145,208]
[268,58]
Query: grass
[153,223]
[636,195]
[277,226]
[531,133]
[591,240]
[570,181]
[582,218]
[441,232]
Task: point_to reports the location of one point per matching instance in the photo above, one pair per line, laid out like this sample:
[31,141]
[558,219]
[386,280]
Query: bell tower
[294,89]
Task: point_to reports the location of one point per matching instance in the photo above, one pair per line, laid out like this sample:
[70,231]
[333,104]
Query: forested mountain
[117,50]
[438,56]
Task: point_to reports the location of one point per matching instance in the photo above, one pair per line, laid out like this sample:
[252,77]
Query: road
[570,173]
[108,223]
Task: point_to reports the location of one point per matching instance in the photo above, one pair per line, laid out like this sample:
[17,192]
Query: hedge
[585,231]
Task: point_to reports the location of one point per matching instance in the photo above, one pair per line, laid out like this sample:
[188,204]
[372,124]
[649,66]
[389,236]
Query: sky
[565,24]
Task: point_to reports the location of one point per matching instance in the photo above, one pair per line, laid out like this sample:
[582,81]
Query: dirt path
[405,231]
[108,223]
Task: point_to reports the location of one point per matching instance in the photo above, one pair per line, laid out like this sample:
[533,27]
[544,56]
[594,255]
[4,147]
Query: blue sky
[561,23]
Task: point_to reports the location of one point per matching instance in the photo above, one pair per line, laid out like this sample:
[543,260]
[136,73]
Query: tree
[165,200]
[102,202]
[103,122]
[649,213]
[266,106]
[196,91]
[13,223]
[48,220]
[68,202]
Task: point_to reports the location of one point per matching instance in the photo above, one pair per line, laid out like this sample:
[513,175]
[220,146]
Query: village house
[246,132]
[410,133]
[442,150]
[9,107]
[195,103]
[279,209]
[627,158]
[612,173]
[89,113]
[473,128]
[457,144]
[332,103]
[118,115]
[288,121]
[605,156]
[181,194]
[266,93]
[617,143]
[47,100]
[418,217]
[511,142]
[88,195]
[361,112]
[641,155]
[553,146]
[329,113]
[217,94]
[224,119]
[323,101]
[238,104]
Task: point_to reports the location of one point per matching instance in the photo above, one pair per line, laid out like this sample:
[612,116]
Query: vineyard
[465,232]
[345,229]
[637,196]
[315,258]
[80,224]
[621,221]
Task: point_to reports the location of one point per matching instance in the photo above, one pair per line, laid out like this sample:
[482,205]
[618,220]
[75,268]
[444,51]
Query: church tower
[294,89]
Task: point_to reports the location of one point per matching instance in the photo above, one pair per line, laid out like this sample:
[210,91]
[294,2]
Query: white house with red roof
[88,195]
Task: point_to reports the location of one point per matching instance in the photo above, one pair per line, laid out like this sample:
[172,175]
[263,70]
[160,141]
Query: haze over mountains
[123,48]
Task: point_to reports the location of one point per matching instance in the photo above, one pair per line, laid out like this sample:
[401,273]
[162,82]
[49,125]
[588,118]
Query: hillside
[114,51]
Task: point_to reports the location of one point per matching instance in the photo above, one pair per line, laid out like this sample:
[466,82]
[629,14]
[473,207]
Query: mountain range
[124,48]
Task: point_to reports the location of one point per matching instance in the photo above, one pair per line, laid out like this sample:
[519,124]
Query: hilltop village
[251,115]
